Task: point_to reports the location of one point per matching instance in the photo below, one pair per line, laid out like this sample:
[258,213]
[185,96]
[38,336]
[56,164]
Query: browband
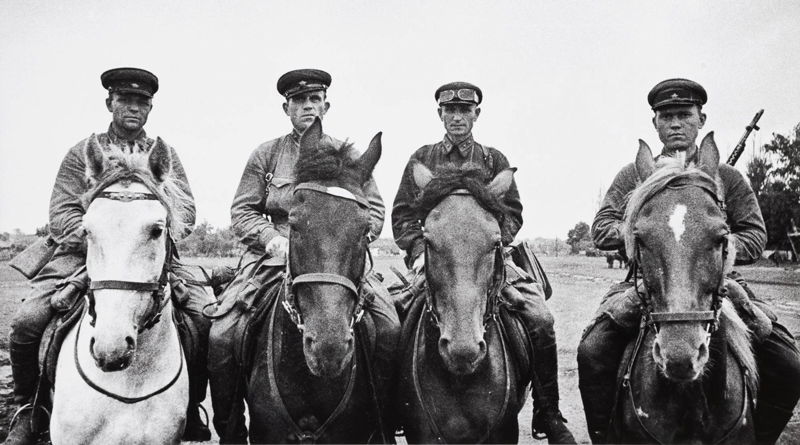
[125,196]
[333,191]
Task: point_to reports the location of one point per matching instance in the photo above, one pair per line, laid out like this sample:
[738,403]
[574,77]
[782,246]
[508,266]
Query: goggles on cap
[466,94]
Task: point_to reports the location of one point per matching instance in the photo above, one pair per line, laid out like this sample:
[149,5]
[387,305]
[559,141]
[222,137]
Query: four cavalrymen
[458,109]
[259,216]
[63,278]
[677,104]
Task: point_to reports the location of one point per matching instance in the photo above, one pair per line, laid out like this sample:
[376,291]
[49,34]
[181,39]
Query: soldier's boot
[196,428]
[25,372]
[547,418]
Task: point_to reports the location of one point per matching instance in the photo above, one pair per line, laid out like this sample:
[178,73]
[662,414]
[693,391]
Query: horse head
[131,208]
[463,257]
[329,224]
[675,230]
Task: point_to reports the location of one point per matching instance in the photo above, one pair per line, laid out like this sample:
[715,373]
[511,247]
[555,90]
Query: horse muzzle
[327,359]
[116,358]
[681,352]
[462,358]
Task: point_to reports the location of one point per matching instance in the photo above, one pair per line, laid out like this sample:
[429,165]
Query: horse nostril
[702,353]
[308,342]
[91,346]
[482,347]
[444,343]
[131,343]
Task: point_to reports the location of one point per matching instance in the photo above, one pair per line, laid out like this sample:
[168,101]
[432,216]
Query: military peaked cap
[302,81]
[458,93]
[130,80]
[676,92]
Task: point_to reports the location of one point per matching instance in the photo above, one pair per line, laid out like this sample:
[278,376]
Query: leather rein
[653,320]
[158,293]
[290,281]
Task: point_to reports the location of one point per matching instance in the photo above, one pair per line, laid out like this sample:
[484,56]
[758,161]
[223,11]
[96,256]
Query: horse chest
[438,406]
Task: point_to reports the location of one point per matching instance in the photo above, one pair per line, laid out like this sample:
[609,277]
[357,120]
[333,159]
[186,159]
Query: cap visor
[133,91]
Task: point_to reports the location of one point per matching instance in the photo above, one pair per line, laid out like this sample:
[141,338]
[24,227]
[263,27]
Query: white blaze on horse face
[677,221]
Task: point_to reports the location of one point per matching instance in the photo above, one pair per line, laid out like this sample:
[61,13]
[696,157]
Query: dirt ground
[578,283]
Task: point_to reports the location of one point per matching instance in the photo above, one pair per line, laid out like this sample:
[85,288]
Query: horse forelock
[329,163]
[738,337]
[668,171]
[135,168]
[472,177]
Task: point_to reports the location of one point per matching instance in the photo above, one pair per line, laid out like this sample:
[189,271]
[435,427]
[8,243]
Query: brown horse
[697,384]
[310,380]
[459,380]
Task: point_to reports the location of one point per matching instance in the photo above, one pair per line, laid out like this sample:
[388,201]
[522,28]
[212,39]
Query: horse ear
[645,165]
[708,157]
[96,161]
[502,182]
[422,176]
[310,138]
[160,160]
[370,158]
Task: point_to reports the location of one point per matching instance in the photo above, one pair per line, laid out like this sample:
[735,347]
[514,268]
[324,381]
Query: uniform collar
[295,136]
[139,140]
[691,154]
[464,146]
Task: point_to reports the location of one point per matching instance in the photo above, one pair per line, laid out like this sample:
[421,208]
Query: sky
[565,85]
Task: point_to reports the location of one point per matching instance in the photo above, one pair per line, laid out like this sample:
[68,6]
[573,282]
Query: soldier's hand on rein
[277,247]
[419,262]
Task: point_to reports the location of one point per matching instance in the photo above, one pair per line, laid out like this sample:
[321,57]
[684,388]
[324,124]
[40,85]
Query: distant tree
[775,179]
[43,231]
[578,234]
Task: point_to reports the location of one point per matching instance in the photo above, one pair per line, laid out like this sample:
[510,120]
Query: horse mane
[738,337]
[134,167]
[329,163]
[470,176]
[668,169]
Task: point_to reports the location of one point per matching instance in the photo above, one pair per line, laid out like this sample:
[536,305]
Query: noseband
[498,278]
[650,318]
[290,281]
[157,289]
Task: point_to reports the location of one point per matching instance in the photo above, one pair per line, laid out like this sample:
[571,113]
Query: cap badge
[674,95]
[302,83]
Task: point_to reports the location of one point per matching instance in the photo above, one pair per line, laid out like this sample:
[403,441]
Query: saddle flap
[519,342]
[53,337]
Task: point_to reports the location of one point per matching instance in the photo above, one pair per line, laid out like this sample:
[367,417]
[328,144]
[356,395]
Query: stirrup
[205,413]
[29,407]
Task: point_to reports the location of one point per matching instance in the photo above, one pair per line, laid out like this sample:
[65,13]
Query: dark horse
[310,373]
[459,379]
[690,376]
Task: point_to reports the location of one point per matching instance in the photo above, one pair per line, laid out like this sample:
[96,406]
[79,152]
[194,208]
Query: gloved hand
[277,247]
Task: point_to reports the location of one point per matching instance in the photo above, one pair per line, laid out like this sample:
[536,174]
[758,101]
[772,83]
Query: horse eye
[156,231]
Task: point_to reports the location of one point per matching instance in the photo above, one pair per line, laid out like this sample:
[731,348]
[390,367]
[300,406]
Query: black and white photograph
[232,222]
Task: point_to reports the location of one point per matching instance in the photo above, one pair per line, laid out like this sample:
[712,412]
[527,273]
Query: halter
[650,318]
[290,281]
[157,289]
[498,279]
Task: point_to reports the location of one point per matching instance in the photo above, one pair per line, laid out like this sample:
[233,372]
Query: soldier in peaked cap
[64,278]
[677,105]
[266,189]
[458,108]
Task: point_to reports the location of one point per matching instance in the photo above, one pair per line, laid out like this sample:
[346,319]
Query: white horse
[121,375]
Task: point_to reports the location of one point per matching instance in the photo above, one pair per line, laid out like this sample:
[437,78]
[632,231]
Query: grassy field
[578,283]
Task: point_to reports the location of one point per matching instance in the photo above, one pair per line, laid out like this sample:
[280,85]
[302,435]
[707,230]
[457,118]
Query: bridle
[290,280]
[655,319]
[498,279]
[157,289]
[158,292]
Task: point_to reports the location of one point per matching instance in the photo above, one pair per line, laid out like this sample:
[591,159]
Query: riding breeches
[615,324]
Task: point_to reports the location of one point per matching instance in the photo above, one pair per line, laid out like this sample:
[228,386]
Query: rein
[290,281]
